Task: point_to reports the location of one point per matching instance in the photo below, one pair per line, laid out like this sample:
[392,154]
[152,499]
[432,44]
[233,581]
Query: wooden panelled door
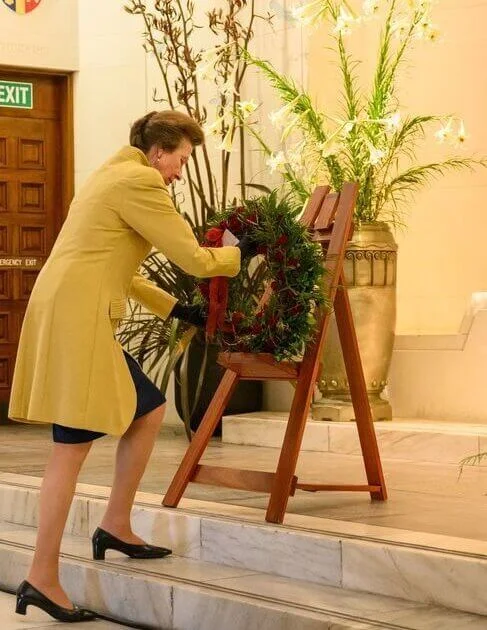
[33,198]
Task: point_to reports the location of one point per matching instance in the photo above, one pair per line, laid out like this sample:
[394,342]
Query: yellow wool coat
[70,369]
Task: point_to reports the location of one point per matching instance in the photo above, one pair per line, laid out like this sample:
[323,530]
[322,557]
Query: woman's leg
[56,496]
[134,450]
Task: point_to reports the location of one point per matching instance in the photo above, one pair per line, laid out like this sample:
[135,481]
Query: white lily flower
[246,108]
[276,161]
[375,155]
[280,117]
[445,133]
[420,5]
[206,71]
[347,128]
[344,22]
[400,27]
[276,116]
[392,122]
[295,156]
[214,53]
[370,7]
[212,129]
[227,142]
[208,59]
[461,134]
[309,13]
[428,31]
[432,34]
[330,147]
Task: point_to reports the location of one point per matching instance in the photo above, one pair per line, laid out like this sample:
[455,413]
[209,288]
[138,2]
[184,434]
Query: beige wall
[110,87]
[443,259]
[47,37]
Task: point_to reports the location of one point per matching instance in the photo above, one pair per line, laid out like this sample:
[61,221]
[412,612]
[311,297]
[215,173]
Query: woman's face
[170,165]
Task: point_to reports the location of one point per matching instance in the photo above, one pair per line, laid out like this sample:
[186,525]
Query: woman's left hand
[189,313]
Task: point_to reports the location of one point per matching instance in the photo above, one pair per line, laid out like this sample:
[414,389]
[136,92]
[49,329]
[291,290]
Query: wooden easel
[329,218]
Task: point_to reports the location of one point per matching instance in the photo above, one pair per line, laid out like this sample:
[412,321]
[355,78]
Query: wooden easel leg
[358,390]
[282,485]
[200,440]
[283,477]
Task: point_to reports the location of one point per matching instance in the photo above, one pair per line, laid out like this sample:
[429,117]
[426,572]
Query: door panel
[30,205]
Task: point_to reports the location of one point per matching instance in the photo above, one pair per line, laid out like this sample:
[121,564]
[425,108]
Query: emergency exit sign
[16,94]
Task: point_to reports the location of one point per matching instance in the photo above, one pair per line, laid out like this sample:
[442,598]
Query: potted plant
[206,82]
[372,142]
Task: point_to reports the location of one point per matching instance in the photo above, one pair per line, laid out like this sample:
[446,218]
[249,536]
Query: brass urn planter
[370,272]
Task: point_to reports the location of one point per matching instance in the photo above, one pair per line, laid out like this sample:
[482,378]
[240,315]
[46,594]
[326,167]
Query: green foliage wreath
[287,260]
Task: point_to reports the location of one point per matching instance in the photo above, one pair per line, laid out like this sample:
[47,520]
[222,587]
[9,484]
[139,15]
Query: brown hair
[165,129]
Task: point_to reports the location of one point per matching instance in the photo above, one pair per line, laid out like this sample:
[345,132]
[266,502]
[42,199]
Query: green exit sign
[16,94]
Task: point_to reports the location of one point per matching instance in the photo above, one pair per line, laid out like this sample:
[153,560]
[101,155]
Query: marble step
[408,440]
[184,594]
[40,620]
[416,566]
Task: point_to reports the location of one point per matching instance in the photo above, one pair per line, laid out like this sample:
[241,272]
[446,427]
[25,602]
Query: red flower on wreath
[281,276]
[293,263]
[256,329]
[252,218]
[234,224]
[237,318]
[272,322]
[213,236]
[279,256]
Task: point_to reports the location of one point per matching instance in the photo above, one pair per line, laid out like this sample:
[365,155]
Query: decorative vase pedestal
[370,273]
[341,410]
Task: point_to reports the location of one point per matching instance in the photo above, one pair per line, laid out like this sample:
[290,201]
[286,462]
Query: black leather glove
[190,313]
[247,246]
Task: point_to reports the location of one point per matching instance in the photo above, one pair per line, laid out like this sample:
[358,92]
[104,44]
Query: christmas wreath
[287,261]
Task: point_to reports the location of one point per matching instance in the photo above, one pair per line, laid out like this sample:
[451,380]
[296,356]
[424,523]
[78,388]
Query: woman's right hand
[247,246]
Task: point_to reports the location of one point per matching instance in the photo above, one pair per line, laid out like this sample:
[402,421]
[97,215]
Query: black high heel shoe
[102,541]
[28,595]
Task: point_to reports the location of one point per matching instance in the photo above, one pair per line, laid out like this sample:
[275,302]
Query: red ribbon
[218,299]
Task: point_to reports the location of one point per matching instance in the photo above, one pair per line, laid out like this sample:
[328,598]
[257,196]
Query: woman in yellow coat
[71,371]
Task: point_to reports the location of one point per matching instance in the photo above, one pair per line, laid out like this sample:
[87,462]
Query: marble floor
[422,497]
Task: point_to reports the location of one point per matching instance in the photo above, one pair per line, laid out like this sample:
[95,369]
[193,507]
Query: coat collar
[132,154]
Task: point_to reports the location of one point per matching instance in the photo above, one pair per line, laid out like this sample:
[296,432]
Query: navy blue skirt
[149,398]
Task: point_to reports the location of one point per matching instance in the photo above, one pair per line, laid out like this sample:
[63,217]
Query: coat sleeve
[154,299]
[147,207]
